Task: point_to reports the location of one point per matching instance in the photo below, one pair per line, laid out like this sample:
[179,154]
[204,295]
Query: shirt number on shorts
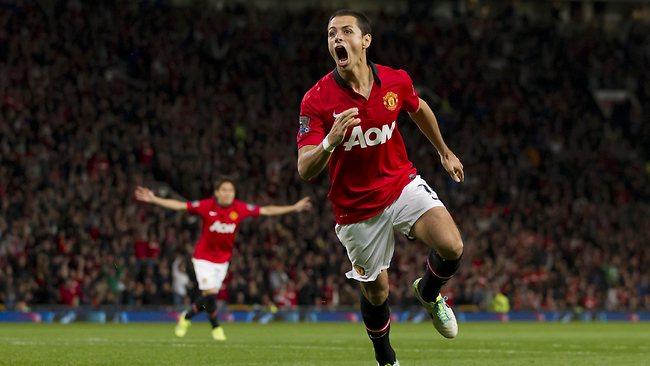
[429,191]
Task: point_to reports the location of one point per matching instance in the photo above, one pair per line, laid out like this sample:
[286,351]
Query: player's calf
[438,272]
[377,321]
[211,309]
[197,306]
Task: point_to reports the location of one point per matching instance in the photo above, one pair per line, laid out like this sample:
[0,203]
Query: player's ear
[366,40]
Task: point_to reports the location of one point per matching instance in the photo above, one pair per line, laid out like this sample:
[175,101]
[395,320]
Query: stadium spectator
[180,280]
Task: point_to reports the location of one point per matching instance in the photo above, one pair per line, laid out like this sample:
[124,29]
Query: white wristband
[326,145]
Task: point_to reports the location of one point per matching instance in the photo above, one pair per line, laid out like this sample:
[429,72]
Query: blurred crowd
[97,98]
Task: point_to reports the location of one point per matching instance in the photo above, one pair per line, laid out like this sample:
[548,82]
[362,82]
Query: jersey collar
[344,84]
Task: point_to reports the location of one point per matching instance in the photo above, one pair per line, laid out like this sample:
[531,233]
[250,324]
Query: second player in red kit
[221,215]
[348,122]
[220,227]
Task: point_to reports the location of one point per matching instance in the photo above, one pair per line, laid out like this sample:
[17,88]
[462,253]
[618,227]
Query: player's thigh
[209,275]
[437,229]
[370,245]
[221,270]
[416,199]
[376,291]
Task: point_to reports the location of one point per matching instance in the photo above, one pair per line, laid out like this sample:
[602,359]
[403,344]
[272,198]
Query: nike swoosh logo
[212,213]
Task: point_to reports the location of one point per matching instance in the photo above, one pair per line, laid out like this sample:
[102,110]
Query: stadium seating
[98,100]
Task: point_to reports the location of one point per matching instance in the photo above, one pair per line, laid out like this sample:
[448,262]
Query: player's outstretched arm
[144,194]
[312,159]
[428,124]
[302,205]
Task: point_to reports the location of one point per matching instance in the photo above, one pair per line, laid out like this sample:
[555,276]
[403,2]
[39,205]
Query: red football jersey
[220,227]
[369,169]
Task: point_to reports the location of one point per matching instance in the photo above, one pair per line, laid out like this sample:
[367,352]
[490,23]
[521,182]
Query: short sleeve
[411,101]
[249,210]
[199,208]
[310,131]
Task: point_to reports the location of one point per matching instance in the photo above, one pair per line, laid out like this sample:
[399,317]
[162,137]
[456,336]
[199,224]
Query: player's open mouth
[341,55]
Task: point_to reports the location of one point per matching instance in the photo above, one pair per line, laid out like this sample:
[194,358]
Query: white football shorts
[209,275]
[370,244]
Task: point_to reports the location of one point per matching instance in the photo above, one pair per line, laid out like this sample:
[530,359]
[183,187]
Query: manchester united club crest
[359,270]
[390,101]
[233,215]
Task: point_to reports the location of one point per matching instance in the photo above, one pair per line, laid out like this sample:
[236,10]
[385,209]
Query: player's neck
[221,204]
[359,77]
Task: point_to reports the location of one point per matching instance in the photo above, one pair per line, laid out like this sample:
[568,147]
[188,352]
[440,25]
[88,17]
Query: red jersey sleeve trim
[192,207]
[256,212]
[248,209]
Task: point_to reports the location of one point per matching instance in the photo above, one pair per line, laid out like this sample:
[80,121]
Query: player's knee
[210,292]
[451,248]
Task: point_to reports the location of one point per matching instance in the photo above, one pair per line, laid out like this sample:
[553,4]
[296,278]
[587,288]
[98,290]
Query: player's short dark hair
[219,182]
[362,20]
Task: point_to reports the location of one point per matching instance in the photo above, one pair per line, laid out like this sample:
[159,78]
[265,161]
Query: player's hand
[303,205]
[453,166]
[144,194]
[343,121]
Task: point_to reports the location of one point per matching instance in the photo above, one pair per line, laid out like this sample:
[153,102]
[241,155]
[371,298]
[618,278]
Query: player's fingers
[345,120]
[346,114]
[351,122]
[350,111]
[455,177]
[337,127]
[346,123]
[461,174]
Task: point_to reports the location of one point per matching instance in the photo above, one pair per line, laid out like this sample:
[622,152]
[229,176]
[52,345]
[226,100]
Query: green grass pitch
[325,344]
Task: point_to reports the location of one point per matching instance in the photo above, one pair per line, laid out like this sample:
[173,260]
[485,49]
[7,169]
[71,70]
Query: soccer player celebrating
[348,122]
[221,216]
